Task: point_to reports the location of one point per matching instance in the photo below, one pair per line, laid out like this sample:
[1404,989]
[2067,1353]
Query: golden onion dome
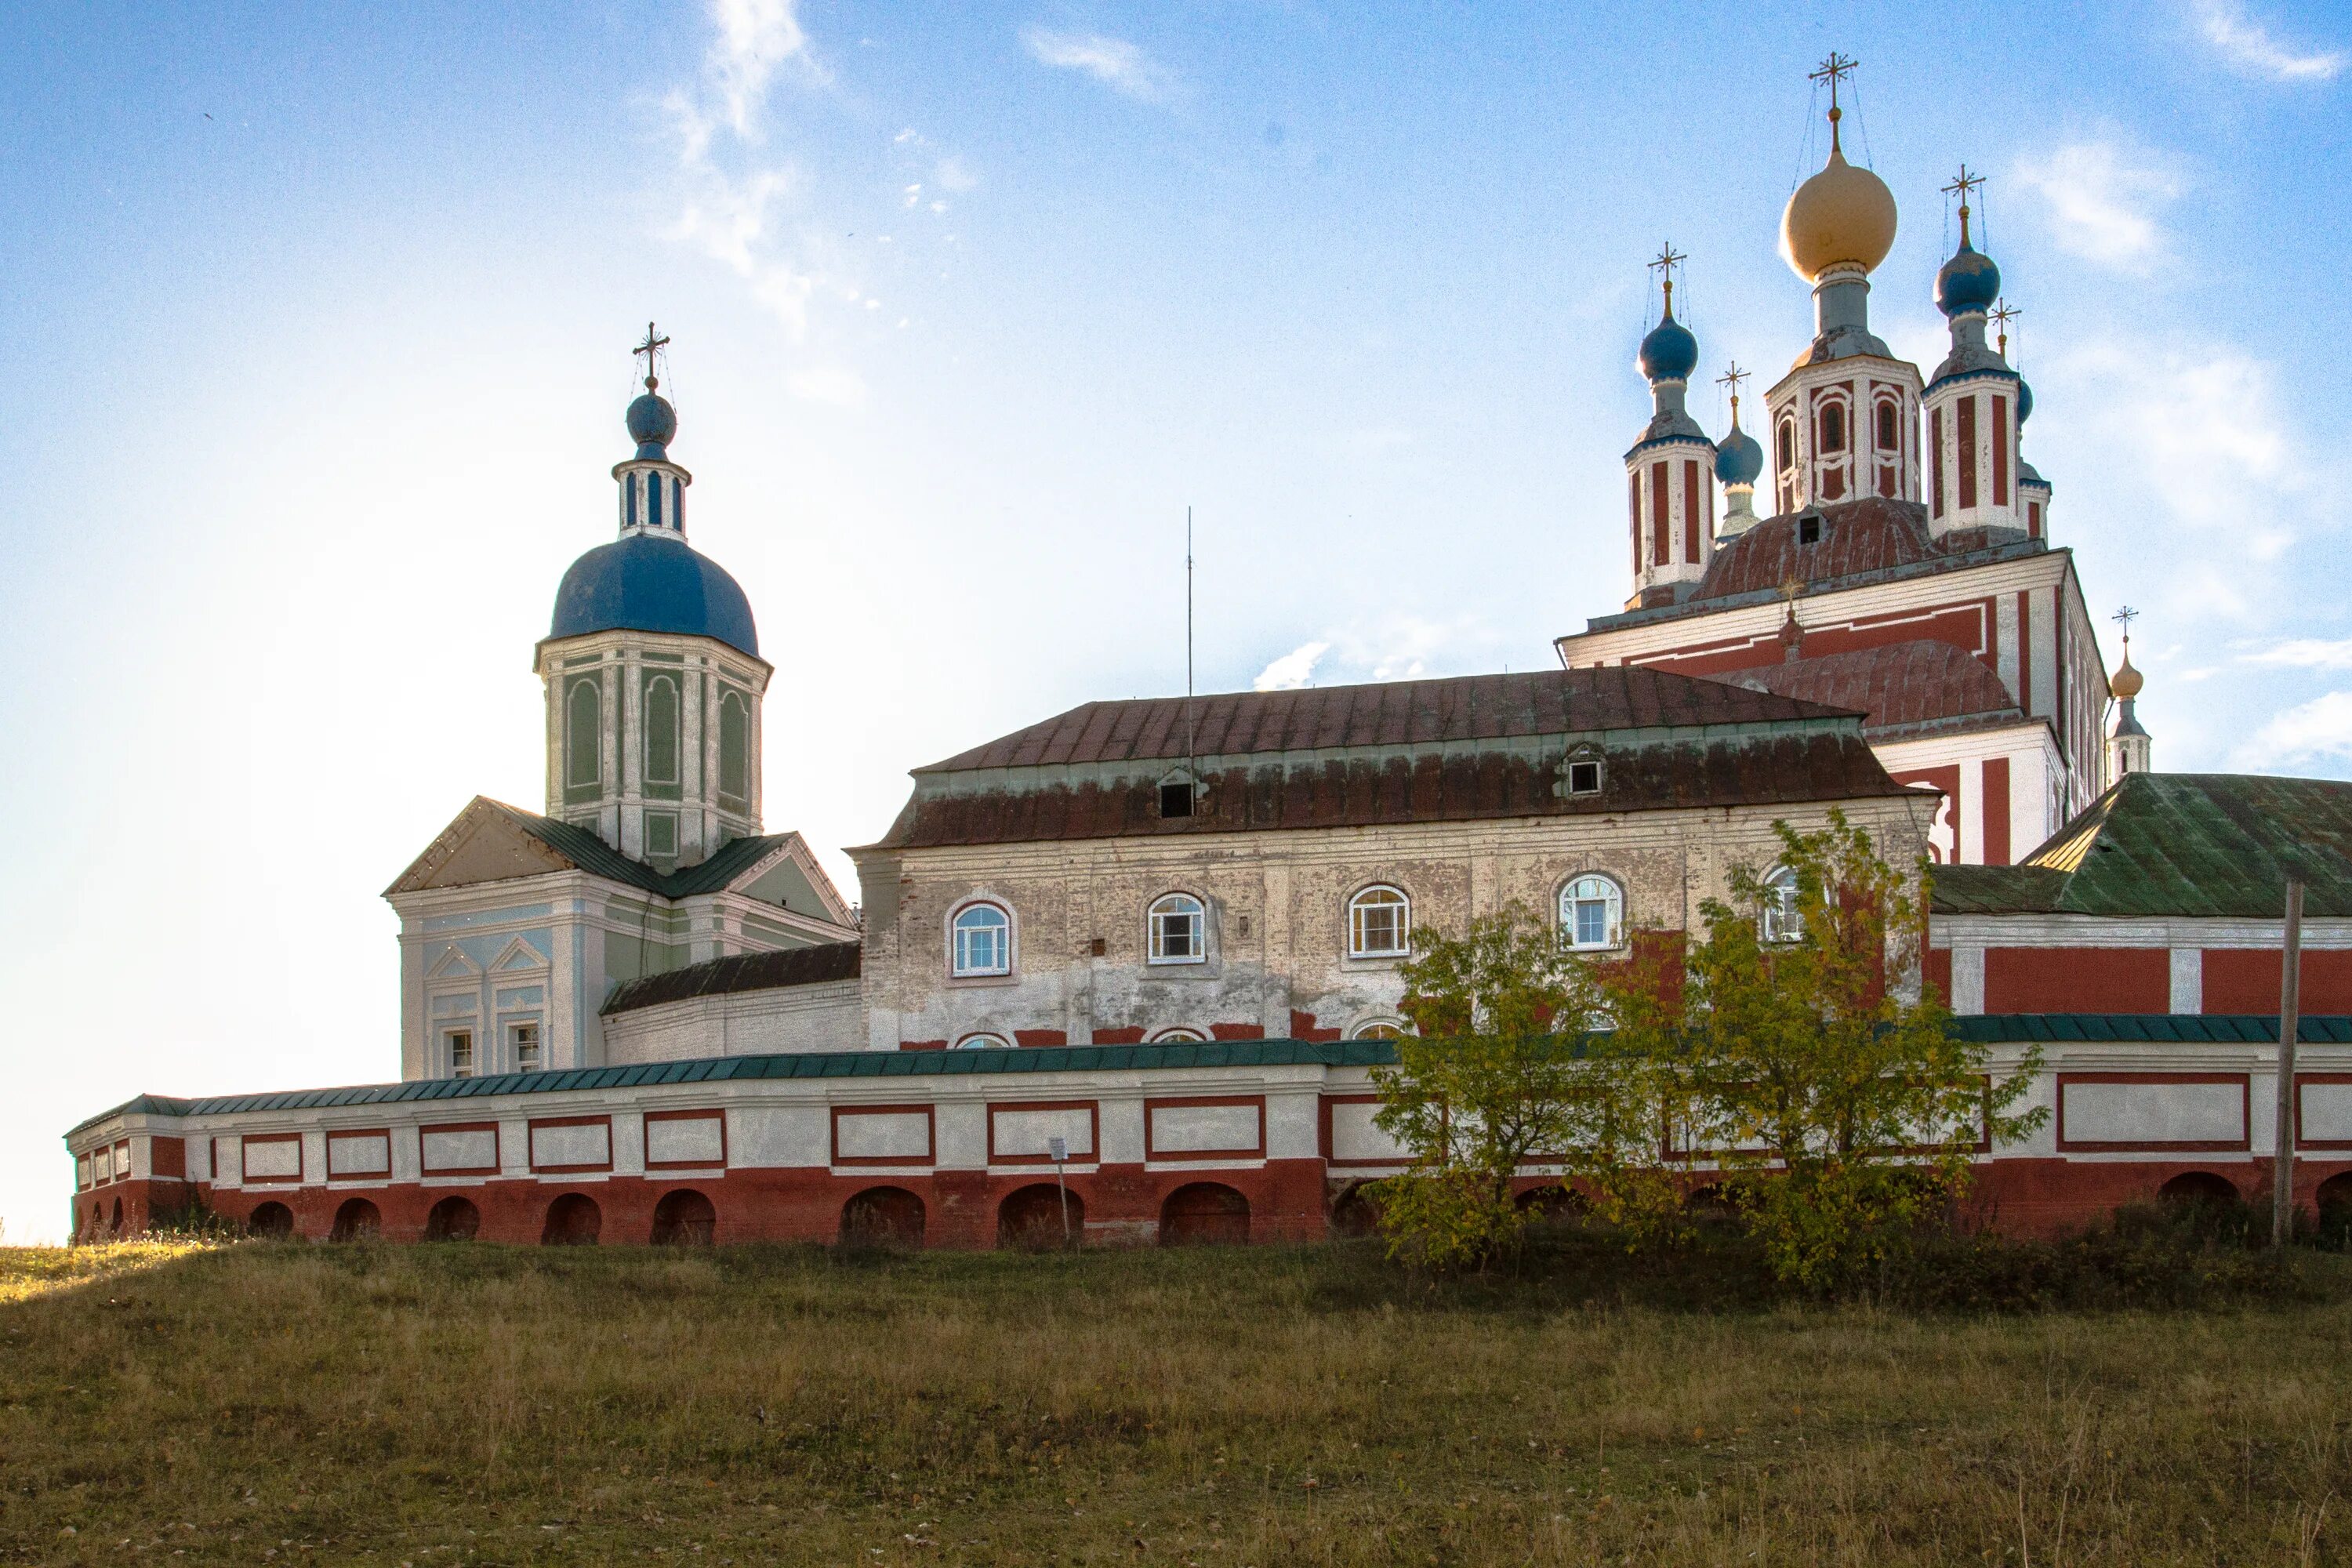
[1843,214]
[2127,680]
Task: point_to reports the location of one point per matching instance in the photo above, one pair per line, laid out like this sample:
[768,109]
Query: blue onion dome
[653,583]
[1669,353]
[1969,281]
[1738,458]
[652,424]
[2025,401]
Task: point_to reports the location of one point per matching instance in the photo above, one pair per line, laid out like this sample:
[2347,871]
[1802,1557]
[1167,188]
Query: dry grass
[1253,1406]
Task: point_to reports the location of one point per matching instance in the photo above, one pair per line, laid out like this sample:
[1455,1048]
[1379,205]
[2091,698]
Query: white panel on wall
[82,1171]
[2155,1113]
[476,1149]
[1204,1129]
[1353,1136]
[1020,1132]
[278,1159]
[772,1135]
[685,1140]
[587,1144]
[883,1135]
[368,1156]
[122,1161]
[2326,1112]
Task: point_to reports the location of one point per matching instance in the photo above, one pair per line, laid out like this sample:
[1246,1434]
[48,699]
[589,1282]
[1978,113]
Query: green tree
[1505,1071]
[1820,1076]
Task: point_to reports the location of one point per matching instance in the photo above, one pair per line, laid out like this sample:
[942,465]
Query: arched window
[583,733]
[1178,930]
[1833,428]
[661,730]
[983,1042]
[1592,913]
[1787,443]
[982,941]
[1380,924]
[1377,1029]
[734,746]
[1782,921]
[1889,425]
[1178,1038]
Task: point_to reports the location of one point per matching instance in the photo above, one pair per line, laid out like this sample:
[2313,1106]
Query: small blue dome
[1669,353]
[1738,458]
[1969,281]
[648,582]
[652,424]
[2025,401]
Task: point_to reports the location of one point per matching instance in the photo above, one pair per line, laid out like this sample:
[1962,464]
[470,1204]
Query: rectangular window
[461,1053]
[661,834]
[1662,544]
[2000,450]
[1690,512]
[1584,778]
[524,1038]
[1936,454]
[1592,923]
[2033,518]
[1176,934]
[1964,429]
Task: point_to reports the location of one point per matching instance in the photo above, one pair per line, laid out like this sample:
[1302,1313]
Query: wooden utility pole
[2290,1023]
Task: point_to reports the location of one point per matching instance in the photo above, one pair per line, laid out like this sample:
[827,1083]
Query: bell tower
[1669,472]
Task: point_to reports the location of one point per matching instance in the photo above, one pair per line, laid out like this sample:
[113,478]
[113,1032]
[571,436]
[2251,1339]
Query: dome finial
[1834,71]
[652,382]
[1669,354]
[1731,379]
[2127,681]
[1960,186]
[2000,315]
[1842,220]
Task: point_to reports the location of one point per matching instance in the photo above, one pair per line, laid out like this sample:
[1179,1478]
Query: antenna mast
[1191,728]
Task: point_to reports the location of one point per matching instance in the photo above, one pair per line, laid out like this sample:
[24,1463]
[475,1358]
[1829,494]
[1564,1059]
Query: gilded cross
[646,349]
[1731,378]
[1960,186]
[2125,618]
[1834,71]
[2000,315]
[1668,259]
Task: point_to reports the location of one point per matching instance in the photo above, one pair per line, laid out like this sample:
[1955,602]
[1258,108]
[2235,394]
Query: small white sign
[1058,1148]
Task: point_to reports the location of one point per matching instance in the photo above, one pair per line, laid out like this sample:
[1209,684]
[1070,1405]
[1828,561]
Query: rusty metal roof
[739,972]
[1907,686]
[2219,845]
[1387,714]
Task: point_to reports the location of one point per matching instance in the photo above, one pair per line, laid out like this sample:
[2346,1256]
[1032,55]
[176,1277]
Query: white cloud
[755,36]
[830,383]
[1293,669]
[1114,62]
[955,174]
[2317,730]
[2248,44]
[2304,653]
[2103,200]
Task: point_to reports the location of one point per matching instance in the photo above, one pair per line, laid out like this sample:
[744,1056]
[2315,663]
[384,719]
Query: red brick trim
[2238,1145]
[531,1144]
[380,1134]
[1237,1031]
[646,1135]
[1093,1156]
[244,1166]
[930,1138]
[2302,1081]
[496,1142]
[1151,1151]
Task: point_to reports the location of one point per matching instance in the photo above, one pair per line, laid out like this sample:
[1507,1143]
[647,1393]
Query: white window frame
[983,1040]
[1177,1035]
[1779,921]
[1163,911]
[1384,896]
[957,966]
[1613,902]
[449,1038]
[538,1043]
[1397,1029]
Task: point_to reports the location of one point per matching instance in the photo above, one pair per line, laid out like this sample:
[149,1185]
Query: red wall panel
[2246,980]
[2078,980]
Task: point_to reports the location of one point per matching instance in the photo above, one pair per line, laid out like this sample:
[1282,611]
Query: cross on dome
[1731,379]
[647,348]
[1834,71]
[1961,186]
[1668,259]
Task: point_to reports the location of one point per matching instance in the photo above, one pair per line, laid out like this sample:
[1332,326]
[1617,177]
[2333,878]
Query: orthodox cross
[1668,259]
[1961,186]
[2124,618]
[1834,71]
[646,349]
[2000,315]
[1732,378]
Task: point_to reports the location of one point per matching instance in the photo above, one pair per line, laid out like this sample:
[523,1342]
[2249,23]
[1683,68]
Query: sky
[319,324]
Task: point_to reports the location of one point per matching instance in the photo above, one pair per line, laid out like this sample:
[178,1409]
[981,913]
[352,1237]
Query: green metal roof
[2219,845]
[1016,1061]
[593,855]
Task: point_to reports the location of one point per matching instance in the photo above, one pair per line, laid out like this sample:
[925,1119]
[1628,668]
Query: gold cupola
[1842,217]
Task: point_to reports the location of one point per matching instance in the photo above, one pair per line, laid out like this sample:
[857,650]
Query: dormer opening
[1811,526]
[1178,795]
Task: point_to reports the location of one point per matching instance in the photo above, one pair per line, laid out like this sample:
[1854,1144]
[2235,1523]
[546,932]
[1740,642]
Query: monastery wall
[826,1016]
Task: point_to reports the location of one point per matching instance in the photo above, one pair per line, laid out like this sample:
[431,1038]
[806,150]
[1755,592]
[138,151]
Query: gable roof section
[1906,687]
[490,841]
[1475,747]
[2213,845]
[739,972]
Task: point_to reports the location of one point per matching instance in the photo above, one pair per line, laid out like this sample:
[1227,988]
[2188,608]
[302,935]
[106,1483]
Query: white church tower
[1670,471]
[653,672]
[1974,404]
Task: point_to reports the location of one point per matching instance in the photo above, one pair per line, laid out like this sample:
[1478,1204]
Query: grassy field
[462,1404]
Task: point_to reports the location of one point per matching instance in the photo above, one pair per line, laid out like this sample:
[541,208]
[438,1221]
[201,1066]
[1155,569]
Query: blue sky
[317,326]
